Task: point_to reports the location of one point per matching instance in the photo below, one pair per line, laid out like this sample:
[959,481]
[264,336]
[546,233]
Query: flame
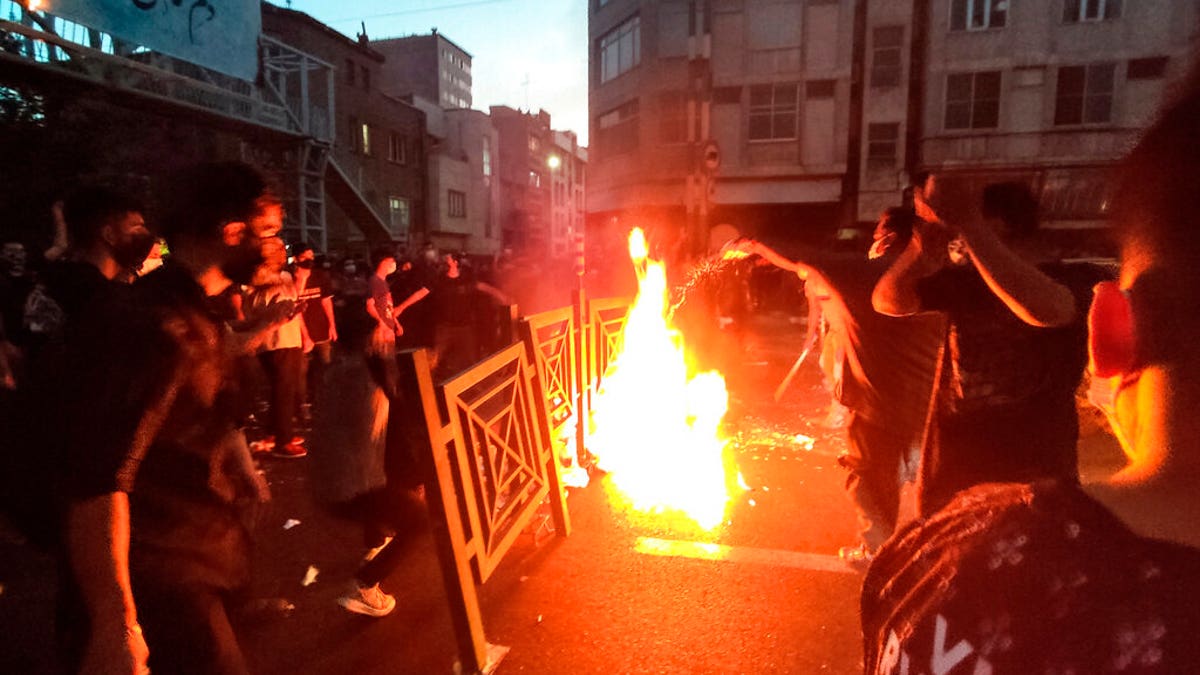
[655,429]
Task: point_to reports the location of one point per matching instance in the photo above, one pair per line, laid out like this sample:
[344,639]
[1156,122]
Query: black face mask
[242,262]
[131,253]
[304,264]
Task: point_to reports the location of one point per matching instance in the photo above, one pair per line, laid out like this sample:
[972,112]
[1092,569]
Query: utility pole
[850,186]
[703,160]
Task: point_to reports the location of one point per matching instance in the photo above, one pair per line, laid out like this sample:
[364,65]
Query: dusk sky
[509,40]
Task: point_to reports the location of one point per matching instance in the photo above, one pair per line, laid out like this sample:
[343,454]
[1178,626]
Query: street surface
[620,595]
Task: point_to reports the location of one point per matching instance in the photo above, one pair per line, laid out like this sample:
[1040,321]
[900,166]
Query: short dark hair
[380,254]
[204,198]
[1014,203]
[900,220]
[303,247]
[88,208]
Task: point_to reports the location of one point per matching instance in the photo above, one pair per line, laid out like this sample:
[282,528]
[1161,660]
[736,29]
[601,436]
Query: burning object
[655,424]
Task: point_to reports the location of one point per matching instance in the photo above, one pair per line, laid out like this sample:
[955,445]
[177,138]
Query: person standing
[283,350]
[156,472]
[1016,348]
[1056,577]
[884,374]
[314,290]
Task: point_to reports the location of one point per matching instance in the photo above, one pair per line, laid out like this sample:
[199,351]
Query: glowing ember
[656,431]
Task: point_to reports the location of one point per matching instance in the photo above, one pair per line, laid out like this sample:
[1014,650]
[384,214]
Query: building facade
[806,119]
[525,145]
[567,172]
[464,189]
[429,66]
[374,174]
[1051,93]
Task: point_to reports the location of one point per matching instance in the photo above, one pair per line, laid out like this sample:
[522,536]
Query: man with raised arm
[1054,577]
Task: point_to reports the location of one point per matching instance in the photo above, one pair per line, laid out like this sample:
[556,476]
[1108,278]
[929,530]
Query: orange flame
[655,430]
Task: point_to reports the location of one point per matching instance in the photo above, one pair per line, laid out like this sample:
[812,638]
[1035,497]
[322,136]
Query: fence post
[447,530]
[583,368]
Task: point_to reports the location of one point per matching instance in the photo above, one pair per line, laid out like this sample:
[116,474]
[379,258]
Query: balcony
[1039,148]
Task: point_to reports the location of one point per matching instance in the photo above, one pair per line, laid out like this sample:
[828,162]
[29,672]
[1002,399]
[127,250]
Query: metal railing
[495,442]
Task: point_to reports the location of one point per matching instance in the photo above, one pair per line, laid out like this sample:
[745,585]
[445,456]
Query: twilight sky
[508,40]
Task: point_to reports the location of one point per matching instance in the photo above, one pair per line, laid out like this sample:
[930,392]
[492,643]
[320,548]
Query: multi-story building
[567,169]
[429,66]
[802,118]
[719,111]
[526,145]
[464,189]
[374,174]
[1051,93]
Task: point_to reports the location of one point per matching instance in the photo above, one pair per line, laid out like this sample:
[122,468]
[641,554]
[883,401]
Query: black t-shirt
[452,300]
[149,415]
[887,375]
[318,287]
[1013,578]
[1005,407]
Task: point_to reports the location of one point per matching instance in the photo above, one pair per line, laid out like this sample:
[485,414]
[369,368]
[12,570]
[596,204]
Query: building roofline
[313,23]
[420,35]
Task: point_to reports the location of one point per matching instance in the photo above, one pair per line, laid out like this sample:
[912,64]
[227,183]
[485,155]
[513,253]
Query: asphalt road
[620,595]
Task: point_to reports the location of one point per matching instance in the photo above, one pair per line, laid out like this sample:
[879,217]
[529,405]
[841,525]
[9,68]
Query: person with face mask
[108,242]
[15,285]
[156,473]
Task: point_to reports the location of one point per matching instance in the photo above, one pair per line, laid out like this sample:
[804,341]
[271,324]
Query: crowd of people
[128,387]
[957,333]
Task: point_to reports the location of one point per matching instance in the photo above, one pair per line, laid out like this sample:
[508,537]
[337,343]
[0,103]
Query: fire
[655,429]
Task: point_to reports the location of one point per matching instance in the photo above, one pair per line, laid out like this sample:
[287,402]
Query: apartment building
[806,118]
[430,66]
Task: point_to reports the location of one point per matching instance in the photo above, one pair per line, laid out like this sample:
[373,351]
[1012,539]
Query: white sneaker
[369,601]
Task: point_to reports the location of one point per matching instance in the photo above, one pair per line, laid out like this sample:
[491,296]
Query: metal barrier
[493,445]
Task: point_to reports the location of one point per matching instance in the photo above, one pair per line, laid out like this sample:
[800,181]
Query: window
[1084,94]
[774,109]
[365,135]
[351,70]
[535,179]
[534,143]
[487,156]
[973,100]
[366,78]
[887,41]
[399,216]
[978,14]
[882,144]
[620,49]
[617,129]
[397,148]
[1075,11]
[456,203]
[672,117]
[1152,68]
[355,137]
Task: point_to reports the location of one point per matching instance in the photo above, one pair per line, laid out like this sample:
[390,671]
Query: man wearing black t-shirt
[1005,405]
[455,338]
[156,470]
[886,374]
[1051,576]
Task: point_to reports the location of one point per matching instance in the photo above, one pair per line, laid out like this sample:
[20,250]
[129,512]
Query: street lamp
[553,162]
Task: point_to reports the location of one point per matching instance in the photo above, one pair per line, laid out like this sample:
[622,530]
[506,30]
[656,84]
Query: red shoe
[267,444]
[290,451]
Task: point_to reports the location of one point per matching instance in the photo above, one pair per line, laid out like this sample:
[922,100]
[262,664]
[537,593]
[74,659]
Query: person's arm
[98,543]
[495,293]
[385,322]
[896,293]
[417,296]
[754,247]
[1028,293]
[327,306]
[61,241]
